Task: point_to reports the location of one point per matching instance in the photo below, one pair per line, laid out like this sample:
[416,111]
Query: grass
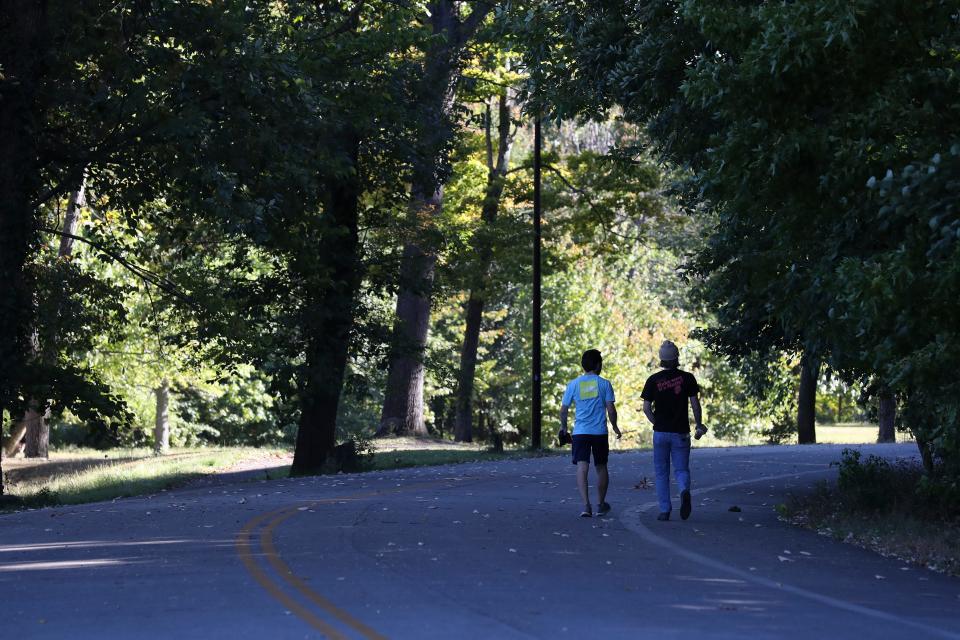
[889,508]
[85,475]
[79,476]
[852,433]
[401,459]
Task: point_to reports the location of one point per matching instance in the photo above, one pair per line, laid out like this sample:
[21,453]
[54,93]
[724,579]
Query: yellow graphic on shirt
[589,389]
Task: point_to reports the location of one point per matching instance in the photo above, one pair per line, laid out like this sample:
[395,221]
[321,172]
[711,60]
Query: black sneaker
[603,509]
[664,516]
[685,506]
[587,512]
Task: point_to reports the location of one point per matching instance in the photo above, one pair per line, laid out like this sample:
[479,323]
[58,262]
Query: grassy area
[403,458]
[86,475]
[78,476]
[889,508]
[852,433]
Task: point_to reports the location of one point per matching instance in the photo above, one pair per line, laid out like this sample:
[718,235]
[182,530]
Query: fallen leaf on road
[784,559]
[643,484]
[880,577]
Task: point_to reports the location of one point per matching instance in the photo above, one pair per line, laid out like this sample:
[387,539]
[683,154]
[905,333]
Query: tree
[497,163]
[780,110]
[451,30]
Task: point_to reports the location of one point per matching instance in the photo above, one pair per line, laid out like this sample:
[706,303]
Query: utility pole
[537,408]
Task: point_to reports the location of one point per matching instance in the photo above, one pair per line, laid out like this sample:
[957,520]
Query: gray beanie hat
[669,351]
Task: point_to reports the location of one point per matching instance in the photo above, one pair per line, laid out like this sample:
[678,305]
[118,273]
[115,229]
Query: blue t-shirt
[591,393]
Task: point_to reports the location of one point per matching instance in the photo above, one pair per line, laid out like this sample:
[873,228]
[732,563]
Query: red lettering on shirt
[673,383]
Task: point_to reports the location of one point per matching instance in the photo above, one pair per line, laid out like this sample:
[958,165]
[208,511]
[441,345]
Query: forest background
[310,223]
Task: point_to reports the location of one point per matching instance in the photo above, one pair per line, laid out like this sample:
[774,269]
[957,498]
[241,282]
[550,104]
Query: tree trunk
[12,442]
[22,42]
[888,415]
[463,420]
[807,400]
[1,452]
[403,400]
[161,424]
[37,433]
[329,322]
[37,423]
[403,397]
[496,175]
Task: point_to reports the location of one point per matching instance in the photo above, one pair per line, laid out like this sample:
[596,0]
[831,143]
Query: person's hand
[619,435]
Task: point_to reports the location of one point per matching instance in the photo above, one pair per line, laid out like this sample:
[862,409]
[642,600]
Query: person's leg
[680,454]
[661,468]
[582,469]
[601,452]
[603,481]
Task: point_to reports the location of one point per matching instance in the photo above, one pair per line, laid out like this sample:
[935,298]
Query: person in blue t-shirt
[594,400]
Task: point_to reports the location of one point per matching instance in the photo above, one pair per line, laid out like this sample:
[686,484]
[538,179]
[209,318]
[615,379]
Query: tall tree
[451,28]
[23,41]
[498,163]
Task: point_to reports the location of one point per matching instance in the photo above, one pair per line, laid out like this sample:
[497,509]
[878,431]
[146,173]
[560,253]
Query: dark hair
[591,360]
[670,364]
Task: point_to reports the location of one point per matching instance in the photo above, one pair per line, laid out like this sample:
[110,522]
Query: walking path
[481,550]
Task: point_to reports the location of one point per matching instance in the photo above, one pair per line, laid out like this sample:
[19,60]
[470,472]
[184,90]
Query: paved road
[489,550]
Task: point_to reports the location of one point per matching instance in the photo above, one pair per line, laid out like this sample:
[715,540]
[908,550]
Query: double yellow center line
[267,523]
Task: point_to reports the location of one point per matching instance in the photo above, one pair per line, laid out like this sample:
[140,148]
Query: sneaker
[587,512]
[685,506]
[603,509]
[664,516]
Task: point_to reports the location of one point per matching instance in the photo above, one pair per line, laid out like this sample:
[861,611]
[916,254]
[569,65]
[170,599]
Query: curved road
[486,550]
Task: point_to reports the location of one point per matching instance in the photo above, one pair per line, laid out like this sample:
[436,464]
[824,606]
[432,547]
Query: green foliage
[782,111]
[238,411]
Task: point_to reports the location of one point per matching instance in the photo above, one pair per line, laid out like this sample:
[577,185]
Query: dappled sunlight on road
[67,564]
[89,544]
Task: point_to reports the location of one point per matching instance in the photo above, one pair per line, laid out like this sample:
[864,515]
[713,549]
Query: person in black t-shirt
[665,397]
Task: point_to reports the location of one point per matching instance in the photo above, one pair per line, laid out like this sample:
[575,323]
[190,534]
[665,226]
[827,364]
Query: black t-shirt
[668,390]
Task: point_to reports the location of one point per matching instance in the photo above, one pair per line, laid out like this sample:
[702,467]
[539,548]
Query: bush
[870,485]
[875,485]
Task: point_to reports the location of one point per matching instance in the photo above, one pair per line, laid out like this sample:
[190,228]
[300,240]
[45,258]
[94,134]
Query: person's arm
[697,411]
[648,411]
[564,410]
[612,413]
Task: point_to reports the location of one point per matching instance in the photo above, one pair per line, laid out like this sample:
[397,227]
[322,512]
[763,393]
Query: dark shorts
[584,444]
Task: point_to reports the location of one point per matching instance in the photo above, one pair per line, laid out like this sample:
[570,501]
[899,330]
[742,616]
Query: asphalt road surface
[485,550]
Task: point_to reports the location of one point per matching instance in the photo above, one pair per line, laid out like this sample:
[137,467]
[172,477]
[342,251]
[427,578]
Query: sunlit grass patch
[80,476]
[404,458]
[853,433]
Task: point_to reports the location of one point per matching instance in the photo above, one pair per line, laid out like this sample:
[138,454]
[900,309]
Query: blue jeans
[667,447]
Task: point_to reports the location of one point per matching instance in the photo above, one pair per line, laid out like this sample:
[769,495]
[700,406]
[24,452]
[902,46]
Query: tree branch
[143,273]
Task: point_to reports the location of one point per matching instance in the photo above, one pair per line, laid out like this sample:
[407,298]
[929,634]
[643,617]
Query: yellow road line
[285,572]
[274,518]
[243,547]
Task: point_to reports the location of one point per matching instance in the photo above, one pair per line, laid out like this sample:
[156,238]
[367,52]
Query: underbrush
[890,507]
